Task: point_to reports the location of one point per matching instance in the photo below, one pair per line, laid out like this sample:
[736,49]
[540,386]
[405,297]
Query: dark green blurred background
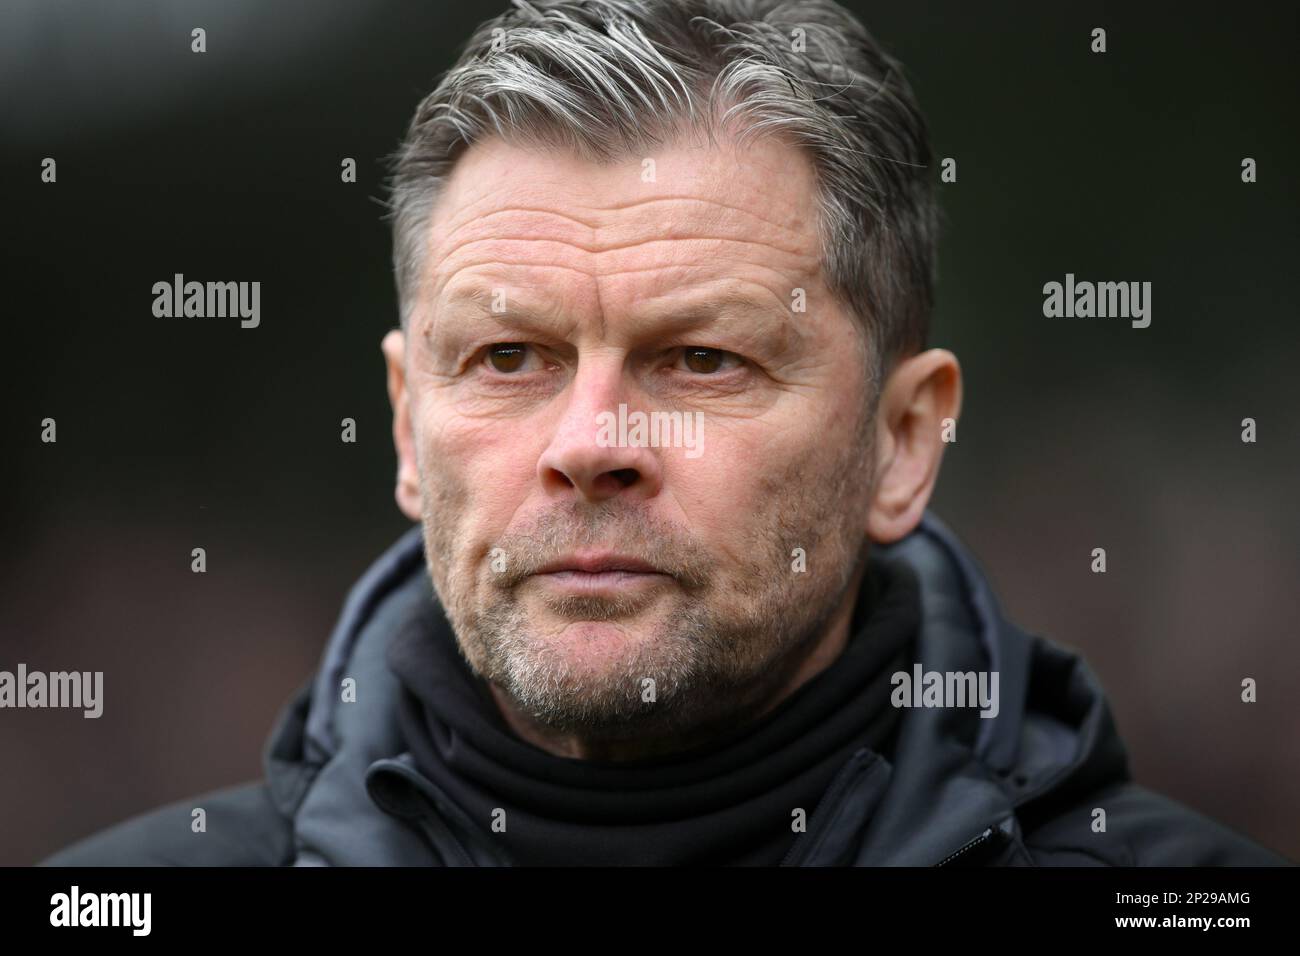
[1076,433]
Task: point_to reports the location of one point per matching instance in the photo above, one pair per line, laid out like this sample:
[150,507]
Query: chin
[596,646]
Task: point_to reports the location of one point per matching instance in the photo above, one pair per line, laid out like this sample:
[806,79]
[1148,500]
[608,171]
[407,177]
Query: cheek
[760,478]
[479,469]
[747,468]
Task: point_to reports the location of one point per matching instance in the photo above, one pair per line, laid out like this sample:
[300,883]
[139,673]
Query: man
[664,412]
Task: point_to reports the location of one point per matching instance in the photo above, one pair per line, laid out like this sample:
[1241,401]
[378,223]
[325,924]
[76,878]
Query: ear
[920,393]
[408,473]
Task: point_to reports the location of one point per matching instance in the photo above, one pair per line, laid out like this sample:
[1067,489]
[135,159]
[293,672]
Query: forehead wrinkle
[803,271]
[706,229]
[790,230]
[596,249]
[449,245]
[720,168]
[482,218]
[781,279]
[474,290]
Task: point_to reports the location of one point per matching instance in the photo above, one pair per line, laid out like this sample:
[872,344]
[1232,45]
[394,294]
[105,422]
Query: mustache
[665,546]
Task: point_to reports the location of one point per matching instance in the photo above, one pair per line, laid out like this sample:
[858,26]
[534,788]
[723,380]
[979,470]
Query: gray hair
[609,79]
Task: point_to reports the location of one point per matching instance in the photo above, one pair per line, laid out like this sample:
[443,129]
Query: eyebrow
[730,308]
[479,299]
[708,305]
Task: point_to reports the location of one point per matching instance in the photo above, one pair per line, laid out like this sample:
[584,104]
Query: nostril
[558,478]
[626,476]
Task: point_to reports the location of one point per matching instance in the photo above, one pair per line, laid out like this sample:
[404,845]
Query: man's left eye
[706,361]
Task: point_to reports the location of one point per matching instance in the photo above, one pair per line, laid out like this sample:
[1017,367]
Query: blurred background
[1075,434]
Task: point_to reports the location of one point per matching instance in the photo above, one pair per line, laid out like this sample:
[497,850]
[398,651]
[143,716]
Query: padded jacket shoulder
[243,828]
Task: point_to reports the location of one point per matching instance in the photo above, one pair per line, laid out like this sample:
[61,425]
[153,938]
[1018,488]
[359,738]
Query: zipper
[990,836]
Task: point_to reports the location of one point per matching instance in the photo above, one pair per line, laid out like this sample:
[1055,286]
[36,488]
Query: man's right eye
[507,357]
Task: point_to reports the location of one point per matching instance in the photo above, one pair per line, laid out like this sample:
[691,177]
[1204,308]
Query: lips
[601,576]
[596,562]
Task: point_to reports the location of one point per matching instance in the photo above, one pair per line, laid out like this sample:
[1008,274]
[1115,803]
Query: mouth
[597,573]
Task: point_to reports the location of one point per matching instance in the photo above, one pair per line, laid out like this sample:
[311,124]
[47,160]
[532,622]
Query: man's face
[576,568]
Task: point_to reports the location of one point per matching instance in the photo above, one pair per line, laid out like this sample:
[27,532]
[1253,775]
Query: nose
[587,458]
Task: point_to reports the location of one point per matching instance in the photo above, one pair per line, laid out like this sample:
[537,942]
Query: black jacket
[340,788]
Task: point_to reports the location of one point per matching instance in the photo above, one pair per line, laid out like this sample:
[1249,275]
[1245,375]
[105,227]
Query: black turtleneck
[727,803]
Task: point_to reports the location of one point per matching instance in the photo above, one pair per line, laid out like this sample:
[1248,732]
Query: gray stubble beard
[710,664]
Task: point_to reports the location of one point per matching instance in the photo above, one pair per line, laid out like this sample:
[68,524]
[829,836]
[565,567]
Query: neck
[813,658]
